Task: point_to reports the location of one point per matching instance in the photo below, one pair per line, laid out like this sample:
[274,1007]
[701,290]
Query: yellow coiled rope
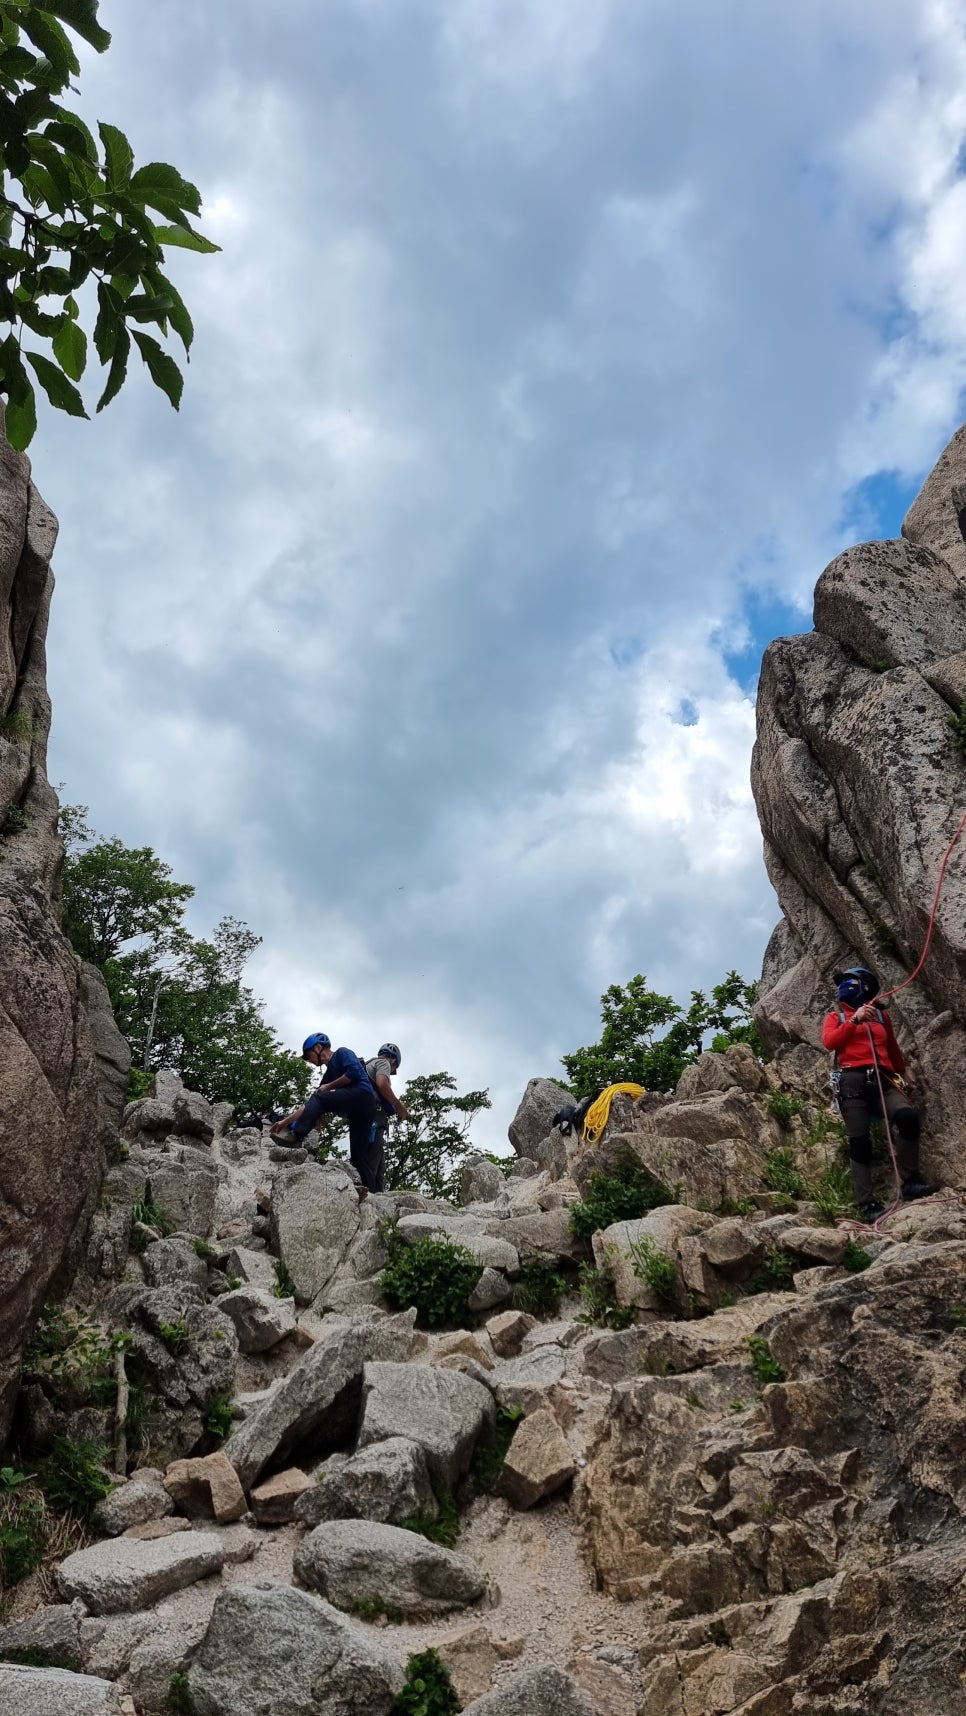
[598,1113]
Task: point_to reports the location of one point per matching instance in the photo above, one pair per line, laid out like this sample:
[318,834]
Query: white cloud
[543,337]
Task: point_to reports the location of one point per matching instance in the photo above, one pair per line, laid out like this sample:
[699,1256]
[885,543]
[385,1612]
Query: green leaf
[142,307]
[53,41]
[61,392]
[72,134]
[45,150]
[161,187]
[81,16]
[20,420]
[118,370]
[119,156]
[163,370]
[70,348]
[178,314]
[109,325]
[186,238]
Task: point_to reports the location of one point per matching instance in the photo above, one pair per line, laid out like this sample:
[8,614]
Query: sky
[553,349]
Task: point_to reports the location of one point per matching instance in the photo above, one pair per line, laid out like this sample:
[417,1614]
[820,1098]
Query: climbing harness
[598,1113]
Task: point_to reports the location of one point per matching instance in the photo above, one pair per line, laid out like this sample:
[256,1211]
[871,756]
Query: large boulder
[261,1319]
[171,1111]
[272,1651]
[534,1117]
[316,1405]
[487,1249]
[62,1059]
[388,1481]
[55,1692]
[126,1573]
[357,1561]
[315,1217]
[535,1692]
[857,776]
[443,1411]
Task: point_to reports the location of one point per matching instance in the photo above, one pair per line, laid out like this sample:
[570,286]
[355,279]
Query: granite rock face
[62,1061]
[860,784]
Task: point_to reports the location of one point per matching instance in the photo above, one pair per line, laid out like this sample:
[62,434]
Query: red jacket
[850,1042]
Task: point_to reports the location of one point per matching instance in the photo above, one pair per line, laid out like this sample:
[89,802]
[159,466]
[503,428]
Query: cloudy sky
[553,349]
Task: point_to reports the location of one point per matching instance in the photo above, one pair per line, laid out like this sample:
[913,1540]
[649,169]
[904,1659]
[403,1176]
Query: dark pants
[359,1108]
[859,1104]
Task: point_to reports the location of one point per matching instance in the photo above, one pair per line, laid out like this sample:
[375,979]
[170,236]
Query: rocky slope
[64,1063]
[860,781]
[748,1500]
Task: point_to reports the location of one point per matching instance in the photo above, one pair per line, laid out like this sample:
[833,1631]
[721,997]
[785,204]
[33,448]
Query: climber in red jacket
[851,1030]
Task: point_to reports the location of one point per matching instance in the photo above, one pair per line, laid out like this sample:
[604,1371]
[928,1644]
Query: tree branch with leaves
[75,212]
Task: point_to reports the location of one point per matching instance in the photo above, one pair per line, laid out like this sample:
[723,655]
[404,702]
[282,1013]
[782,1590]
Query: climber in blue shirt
[346,1090]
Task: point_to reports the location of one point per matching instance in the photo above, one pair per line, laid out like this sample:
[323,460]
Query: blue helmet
[318,1039]
[392,1051]
[856,985]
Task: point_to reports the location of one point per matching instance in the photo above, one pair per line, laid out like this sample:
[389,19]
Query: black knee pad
[860,1150]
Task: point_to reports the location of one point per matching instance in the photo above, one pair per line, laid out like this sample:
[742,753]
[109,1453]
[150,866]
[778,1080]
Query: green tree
[179,1001]
[649,1039]
[426,1151]
[113,893]
[75,212]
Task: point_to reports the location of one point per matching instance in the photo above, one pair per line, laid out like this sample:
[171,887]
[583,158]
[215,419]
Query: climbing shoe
[871,1210]
[285,1135]
[914,1188]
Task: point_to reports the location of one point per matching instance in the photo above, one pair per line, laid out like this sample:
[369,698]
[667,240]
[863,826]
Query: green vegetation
[34,1656]
[180,1699]
[75,215]
[375,1609]
[284,1287]
[13,819]
[150,1214]
[774,1275]
[631,1052]
[176,1336]
[72,1358]
[179,1001]
[205,1251]
[17,726]
[434,1275]
[442,1527]
[782,1173]
[717,1634]
[21,1528]
[539,1289]
[958,724]
[600,1300]
[428,1149]
[832,1193]
[219,1416]
[625,1193]
[428,1690]
[654,1268]
[488,1457]
[784,1108]
[855,1258]
[766,1368]
[74,1476]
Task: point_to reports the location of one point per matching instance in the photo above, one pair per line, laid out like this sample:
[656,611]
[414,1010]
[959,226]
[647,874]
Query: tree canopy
[425,1152]
[179,1001]
[649,1039]
[76,213]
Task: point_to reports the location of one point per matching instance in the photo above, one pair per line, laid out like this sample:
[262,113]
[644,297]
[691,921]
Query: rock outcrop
[860,781]
[63,1064]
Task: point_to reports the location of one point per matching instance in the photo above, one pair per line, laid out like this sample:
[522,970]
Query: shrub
[205,1251]
[624,1194]
[144,1213]
[600,1300]
[766,1368]
[284,1287]
[855,1258]
[488,1457]
[443,1527]
[654,1268]
[774,1274]
[434,1275]
[782,1173]
[74,1478]
[784,1108]
[17,726]
[375,1609]
[180,1699]
[21,1528]
[72,1358]
[176,1336]
[219,1416]
[13,819]
[832,1193]
[428,1690]
[539,1289]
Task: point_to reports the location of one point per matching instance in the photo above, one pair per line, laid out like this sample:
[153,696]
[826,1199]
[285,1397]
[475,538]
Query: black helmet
[855,985]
